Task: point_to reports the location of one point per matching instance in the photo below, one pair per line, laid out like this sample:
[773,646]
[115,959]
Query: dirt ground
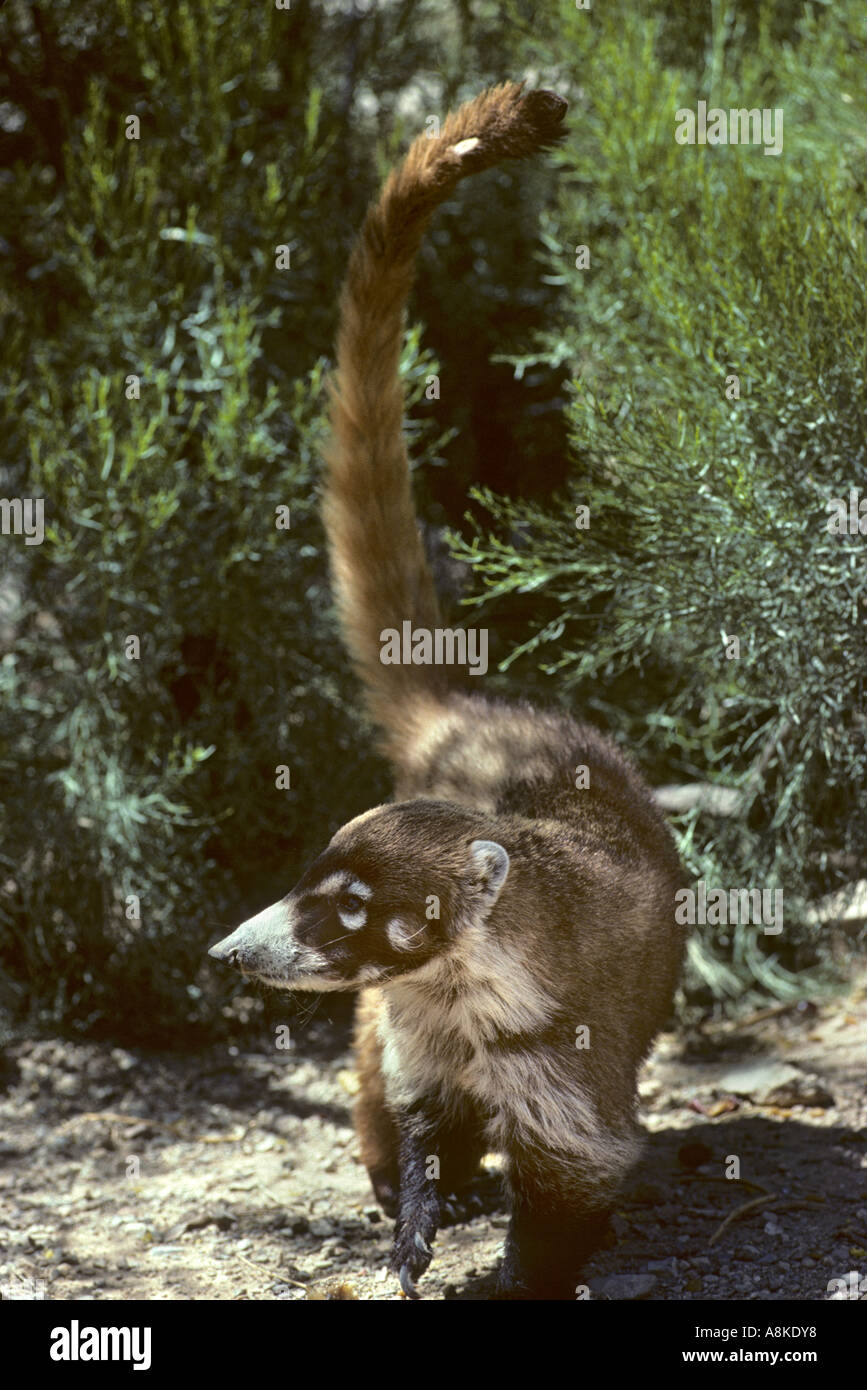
[233,1173]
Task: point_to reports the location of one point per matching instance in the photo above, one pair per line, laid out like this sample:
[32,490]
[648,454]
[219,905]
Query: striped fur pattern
[378,562]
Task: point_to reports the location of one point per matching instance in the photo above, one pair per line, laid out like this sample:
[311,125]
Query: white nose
[253,945]
[223,951]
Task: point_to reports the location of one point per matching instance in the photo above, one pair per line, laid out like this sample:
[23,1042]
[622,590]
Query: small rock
[803,1090]
[757,1081]
[747,1252]
[624,1286]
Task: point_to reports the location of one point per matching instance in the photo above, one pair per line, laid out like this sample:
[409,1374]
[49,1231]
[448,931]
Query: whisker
[415,934]
[335,939]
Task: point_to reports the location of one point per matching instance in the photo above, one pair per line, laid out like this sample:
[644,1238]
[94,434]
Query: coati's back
[566,792]
[512,916]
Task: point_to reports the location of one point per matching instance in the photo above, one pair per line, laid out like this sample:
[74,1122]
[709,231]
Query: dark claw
[406,1282]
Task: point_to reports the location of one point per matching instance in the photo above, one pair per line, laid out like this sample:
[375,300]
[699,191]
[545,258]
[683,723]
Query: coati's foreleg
[375,1124]
[461,1143]
[559,1217]
[440,1151]
[421,1126]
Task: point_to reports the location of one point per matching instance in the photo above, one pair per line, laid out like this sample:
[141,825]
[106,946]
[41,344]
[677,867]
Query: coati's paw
[545,1258]
[547,1287]
[512,1281]
[535,1270]
[411,1254]
[483,1194]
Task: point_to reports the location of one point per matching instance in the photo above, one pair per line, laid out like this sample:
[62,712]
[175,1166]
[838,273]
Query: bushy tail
[379,568]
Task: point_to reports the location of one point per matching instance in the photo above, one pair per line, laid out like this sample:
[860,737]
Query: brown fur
[374,1122]
[587,909]
[378,561]
[494,908]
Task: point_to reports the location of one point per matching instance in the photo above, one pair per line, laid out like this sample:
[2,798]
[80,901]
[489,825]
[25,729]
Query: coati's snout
[267,946]
[393,888]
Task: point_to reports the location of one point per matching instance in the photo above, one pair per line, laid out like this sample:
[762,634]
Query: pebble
[624,1286]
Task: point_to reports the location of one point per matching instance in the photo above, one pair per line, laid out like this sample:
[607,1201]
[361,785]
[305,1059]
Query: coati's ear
[489,865]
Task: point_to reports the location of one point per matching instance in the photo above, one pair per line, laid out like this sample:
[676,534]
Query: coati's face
[392,890]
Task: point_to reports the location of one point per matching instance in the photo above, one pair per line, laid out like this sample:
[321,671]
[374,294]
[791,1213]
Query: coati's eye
[351,902]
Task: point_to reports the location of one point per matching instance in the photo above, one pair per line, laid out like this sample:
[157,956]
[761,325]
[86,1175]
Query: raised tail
[379,568]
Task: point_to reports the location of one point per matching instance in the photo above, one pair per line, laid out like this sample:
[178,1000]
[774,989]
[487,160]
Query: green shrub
[708,514]
[152,776]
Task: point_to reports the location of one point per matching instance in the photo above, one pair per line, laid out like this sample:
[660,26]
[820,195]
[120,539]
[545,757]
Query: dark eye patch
[351,902]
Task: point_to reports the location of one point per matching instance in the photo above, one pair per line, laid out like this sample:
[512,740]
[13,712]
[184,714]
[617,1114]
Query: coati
[513,936]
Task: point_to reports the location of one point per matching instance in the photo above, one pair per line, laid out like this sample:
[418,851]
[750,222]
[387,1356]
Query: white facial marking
[352,921]
[346,886]
[268,949]
[403,935]
[271,919]
[332,884]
